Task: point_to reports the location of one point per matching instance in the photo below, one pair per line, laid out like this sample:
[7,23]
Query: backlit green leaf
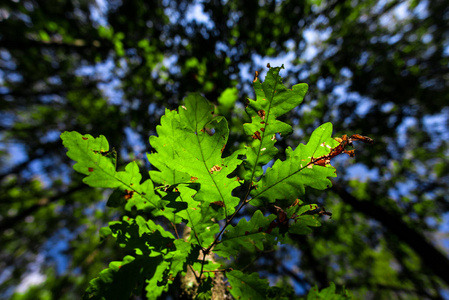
[196,139]
[287,180]
[273,100]
[93,160]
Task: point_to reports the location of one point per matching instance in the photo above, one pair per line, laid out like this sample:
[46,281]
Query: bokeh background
[377,68]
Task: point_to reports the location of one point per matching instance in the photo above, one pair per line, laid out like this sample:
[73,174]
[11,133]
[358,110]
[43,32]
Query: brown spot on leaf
[261,114]
[222,149]
[257,136]
[219,203]
[91,169]
[262,129]
[296,202]
[128,195]
[215,168]
[84,138]
[102,152]
[282,216]
[193,179]
[321,162]
[273,224]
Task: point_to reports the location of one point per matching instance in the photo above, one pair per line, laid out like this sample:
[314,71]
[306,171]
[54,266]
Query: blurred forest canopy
[377,68]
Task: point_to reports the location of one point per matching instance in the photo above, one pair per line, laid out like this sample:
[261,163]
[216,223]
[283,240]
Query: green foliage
[96,161]
[328,293]
[247,286]
[272,101]
[287,179]
[111,69]
[193,186]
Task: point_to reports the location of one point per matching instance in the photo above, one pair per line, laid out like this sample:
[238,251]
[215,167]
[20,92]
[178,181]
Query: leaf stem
[176,231]
[205,252]
[263,134]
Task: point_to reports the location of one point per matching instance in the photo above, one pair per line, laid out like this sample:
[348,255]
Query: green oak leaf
[166,144]
[91,155]
[144,237]
[286,180]
[121,278]
[155,284]
[249,235]
[205,290]
[273,100]
[200,217]
[302,222]
[196,139]
[247,286]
